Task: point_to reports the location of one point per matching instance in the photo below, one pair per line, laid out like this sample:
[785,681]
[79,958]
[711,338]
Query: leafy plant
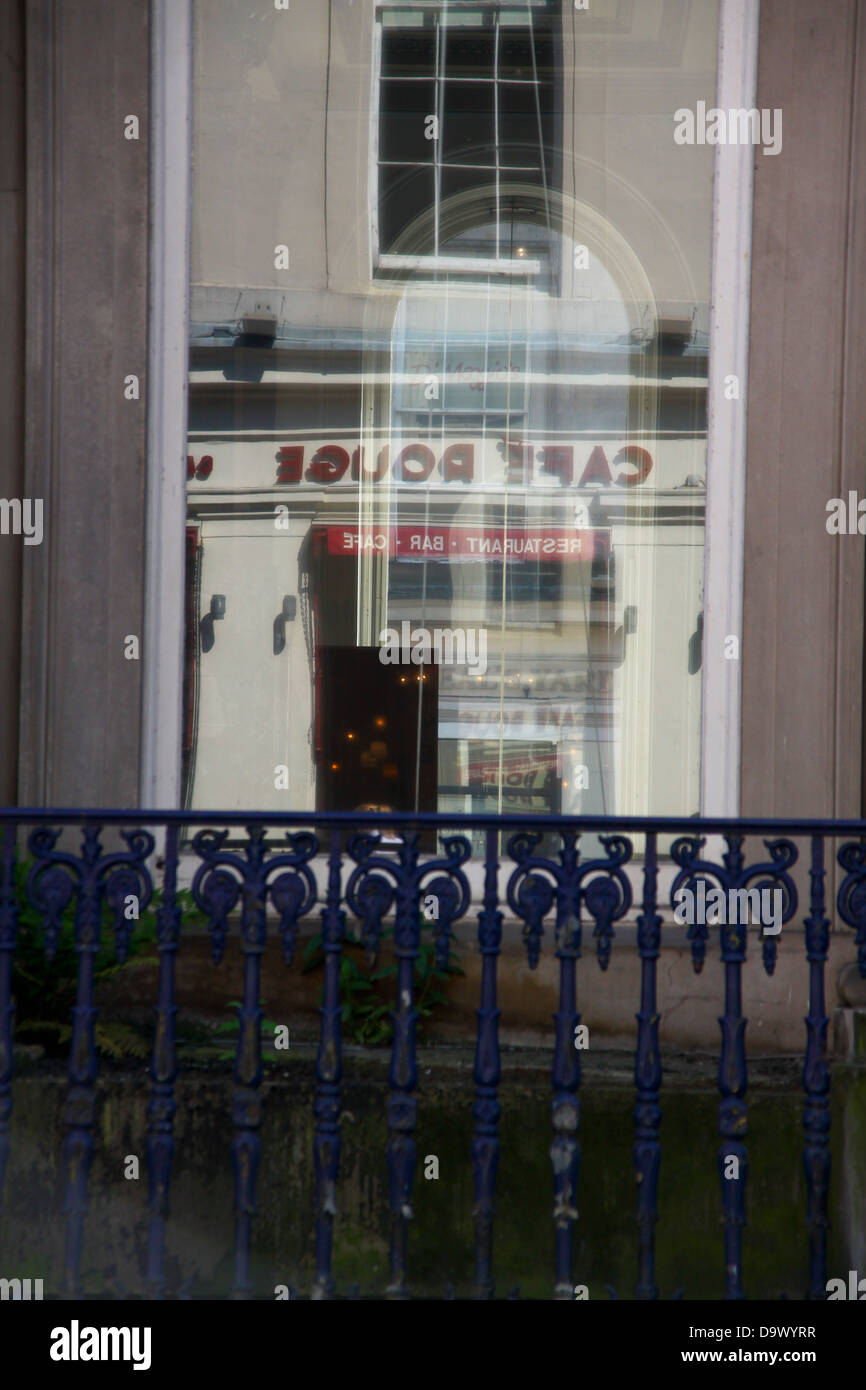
[232,1029]
[45,990]
[365,1010]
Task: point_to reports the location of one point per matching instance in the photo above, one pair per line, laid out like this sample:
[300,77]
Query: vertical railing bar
[80,1107]
[163,1071]
[329,1070]
[403,1071]
[8,938]
[247,1107]
[565,1147]
[816,1078]
[486,1109]
[648,1079]
[733,1081]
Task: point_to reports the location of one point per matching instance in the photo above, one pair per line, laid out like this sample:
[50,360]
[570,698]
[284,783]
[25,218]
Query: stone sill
[690,1005]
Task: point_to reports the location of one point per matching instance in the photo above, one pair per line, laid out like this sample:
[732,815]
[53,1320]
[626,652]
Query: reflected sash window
[467,115]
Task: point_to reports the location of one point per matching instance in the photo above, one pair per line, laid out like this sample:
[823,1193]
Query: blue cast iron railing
[370,877]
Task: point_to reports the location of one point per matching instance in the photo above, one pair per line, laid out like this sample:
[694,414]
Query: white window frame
[167,389]
[168,326]
[724,535]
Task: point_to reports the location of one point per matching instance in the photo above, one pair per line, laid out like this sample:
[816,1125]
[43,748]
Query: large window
[447,407]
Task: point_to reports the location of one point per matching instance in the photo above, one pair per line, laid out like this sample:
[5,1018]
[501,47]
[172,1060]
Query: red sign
[467,542]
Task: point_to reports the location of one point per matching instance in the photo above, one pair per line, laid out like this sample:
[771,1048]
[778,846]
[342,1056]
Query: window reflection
[446,467]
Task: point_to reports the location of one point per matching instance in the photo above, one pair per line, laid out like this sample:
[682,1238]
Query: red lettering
[458,463]
[375,474]
[642,462]
[418,454]
[291,462]
[328,464]
[596,470]
[415,464]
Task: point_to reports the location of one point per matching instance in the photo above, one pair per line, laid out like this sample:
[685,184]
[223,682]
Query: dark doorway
[369,732]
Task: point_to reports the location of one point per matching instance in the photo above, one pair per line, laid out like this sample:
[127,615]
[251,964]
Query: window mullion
[496,39]
[538,118]
[441,33]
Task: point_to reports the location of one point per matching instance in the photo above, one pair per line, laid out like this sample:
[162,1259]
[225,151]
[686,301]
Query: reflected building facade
[448,371]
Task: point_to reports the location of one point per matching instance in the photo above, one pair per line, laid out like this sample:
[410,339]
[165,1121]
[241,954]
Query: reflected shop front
[446,459]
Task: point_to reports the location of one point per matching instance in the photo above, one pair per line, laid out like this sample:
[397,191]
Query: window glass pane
[469,53]
[404,108]
[405,208]
[409,53]
[524,124]
[468,210]
[467,134]
[516,50]
[446,469]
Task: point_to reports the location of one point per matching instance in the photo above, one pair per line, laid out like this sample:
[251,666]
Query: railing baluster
[603,887]
[851,897]
[369,895]
[163,1071]
[733,1111]
[8,937]
[50,885]
[648,1079]
[565,1148]
[816,1079]
[486,1109]
[219,881]
[733,880]
[81,1097]
[79,1111]
[403,1072]
[247,1108]
[329,1070]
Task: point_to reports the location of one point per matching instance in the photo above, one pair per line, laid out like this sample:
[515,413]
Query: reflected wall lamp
[216,611]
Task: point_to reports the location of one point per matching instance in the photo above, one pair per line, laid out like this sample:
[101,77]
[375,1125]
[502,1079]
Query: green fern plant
[44,991]
[231,1031]
[365,1011]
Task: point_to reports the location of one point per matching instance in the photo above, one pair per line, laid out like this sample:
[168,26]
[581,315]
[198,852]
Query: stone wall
[200,1238]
